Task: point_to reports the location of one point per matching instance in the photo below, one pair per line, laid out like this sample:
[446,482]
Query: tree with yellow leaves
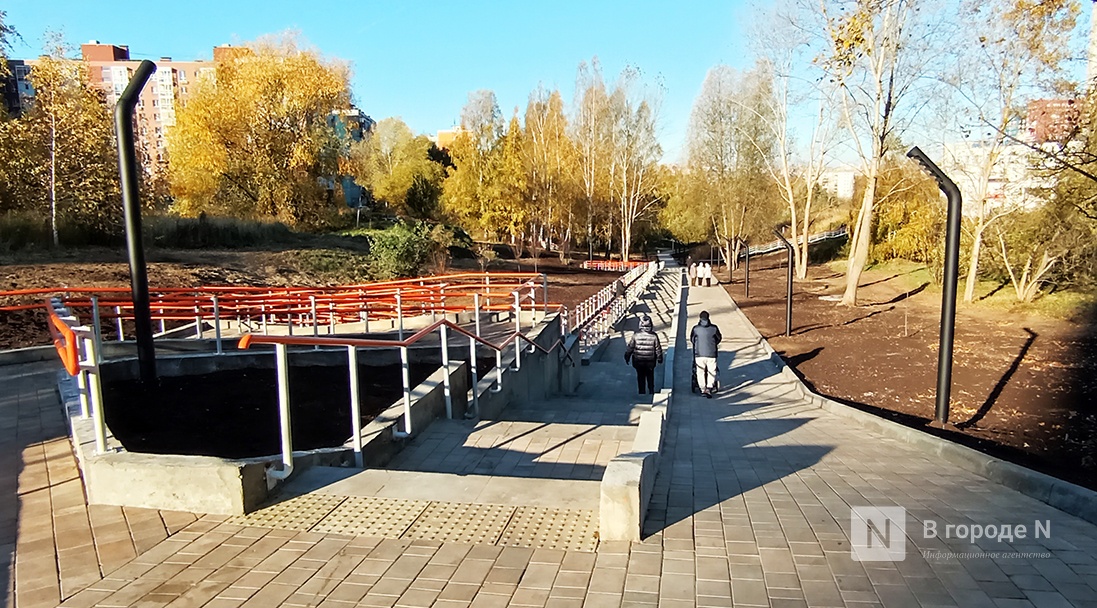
[258,140]
[551,165]
[58,160]
[395,165]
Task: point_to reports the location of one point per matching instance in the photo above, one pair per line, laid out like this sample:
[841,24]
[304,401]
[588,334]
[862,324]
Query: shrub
[203,231]
[398,252]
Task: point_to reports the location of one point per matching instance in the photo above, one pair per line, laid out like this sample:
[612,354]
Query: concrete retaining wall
[206,484]
[540,374]
[629,479]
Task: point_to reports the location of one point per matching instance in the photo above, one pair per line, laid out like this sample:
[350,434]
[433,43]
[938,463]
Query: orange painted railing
[64,340]
[613,265]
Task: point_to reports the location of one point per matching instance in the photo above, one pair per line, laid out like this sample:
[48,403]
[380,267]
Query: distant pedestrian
[693,274]
[705,338]
[646,352]
[707,273]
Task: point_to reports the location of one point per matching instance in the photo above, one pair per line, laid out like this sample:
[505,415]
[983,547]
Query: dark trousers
[645,374]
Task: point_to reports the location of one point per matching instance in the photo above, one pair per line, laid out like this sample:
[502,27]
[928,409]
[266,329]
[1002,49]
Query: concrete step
[448,487]
[579,411]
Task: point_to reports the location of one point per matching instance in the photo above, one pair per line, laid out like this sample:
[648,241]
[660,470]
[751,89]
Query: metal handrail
[351,344]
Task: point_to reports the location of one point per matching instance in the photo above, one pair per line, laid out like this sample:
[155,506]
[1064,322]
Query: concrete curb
[1063,495]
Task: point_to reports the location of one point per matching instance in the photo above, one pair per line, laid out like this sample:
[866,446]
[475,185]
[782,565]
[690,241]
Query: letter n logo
[878,534]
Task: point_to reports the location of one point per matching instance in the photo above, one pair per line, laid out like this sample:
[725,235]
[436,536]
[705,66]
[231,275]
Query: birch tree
[590,132]
[58,160]
[1017,46]
[634,154]
[550,161]
[783,46]
[730,146]
[876,55]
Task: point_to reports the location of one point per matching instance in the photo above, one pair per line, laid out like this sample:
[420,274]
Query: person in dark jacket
[646,352]
[705,339]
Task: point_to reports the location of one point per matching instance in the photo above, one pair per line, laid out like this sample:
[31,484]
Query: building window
[182,75]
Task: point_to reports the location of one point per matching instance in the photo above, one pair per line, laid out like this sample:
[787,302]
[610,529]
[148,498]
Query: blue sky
[419,60]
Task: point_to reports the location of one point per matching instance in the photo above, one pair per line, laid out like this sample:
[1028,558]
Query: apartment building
[15,88]
[111,67]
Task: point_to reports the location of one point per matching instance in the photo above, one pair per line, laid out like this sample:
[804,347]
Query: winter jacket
[705,337]
[644,348]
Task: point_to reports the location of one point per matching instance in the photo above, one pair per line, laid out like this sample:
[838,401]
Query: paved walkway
[752,508]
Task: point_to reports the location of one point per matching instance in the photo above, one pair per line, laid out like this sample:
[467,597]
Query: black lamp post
[788,283]
[948,295]
[128,171]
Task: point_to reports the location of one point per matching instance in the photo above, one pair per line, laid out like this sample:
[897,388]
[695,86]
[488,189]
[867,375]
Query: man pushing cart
[705,338]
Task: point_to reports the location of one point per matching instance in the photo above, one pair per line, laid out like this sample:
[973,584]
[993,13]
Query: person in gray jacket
[646,352]
[705,339]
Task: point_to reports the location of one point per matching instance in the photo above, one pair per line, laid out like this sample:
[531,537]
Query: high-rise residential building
[170,87]
[15,88]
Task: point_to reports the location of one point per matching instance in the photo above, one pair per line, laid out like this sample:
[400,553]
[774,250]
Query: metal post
[952,272]
[405,372]
[498,371]
[445,364]
[197,322]
[96,322]
[518,329]
[315,321]
[95,395]
[544,295]
[518,310]
[282,368]
[355,406]
[475,379]
[788,294]
[476,309]
[315,325]
[129,173]
[217,325]
[746,274]
[365,316]
[399,315]
[118,322]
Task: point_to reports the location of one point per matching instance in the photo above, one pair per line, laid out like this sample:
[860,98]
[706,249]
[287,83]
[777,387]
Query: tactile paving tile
[548,528]
[298,513]
[372,516]
[461,523]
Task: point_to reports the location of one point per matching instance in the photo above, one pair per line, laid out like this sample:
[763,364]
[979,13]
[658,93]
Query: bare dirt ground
[1022,385]
[568,284]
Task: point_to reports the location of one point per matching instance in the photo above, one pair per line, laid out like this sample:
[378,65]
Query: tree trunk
[53,179]
[802,266]
[973,263]
[858,252]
